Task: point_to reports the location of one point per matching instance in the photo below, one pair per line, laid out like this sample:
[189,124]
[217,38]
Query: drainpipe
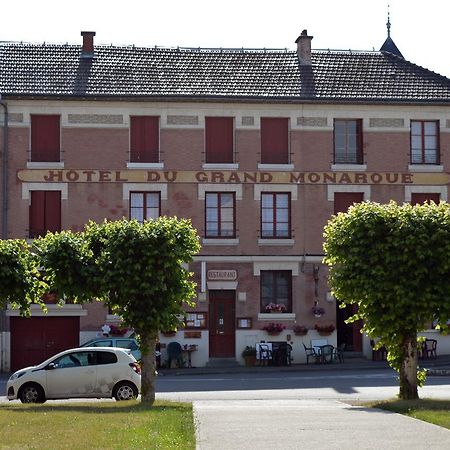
[5,172]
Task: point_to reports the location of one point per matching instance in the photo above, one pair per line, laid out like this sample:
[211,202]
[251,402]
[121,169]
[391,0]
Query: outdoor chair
[339,353]
[174,353]
[326,354]
[310,353]
[430,347]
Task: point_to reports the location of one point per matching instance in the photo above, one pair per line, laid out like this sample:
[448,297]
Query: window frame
[220,231]
[423,142]
[144,204]
[359,157]
[266,125]
[212,124]
[145,155]
[274,232]
[275,282]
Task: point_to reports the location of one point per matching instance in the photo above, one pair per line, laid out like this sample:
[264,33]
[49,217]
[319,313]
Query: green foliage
[69,266]
[139,268]
[394,263]
[20,280]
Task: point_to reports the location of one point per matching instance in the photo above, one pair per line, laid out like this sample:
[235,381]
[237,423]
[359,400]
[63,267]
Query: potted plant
[324,330]
[117,331]
[275,308]
[300,330]
[274,329]
[249,355]
[317,310]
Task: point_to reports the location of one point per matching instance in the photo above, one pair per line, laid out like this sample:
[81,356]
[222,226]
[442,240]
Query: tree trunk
[148,343]
[408,369]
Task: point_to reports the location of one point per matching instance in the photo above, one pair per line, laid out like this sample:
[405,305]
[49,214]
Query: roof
[389,46]
[43,70]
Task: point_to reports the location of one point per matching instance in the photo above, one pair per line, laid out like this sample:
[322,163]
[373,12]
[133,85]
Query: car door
[72,375]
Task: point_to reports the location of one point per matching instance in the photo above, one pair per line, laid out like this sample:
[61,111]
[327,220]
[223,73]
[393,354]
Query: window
[424,142]
[45,138]
[45,212]
[275,215]
[348,141]
[420,199]
[274,141]
[276,287]
[145,205]
[144,139]
[220,216]
[219,140]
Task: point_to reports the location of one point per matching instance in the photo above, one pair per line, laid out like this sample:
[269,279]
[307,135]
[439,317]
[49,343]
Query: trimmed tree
[393,262]
[20,280]
[137,269]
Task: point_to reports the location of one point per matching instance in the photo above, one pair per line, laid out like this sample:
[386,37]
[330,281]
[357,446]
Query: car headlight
[16,375]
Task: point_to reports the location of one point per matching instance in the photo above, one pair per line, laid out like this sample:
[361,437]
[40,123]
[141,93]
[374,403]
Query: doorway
[222,324]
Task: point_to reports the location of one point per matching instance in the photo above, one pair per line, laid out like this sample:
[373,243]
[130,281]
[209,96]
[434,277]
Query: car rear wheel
[31,393]
[125,391]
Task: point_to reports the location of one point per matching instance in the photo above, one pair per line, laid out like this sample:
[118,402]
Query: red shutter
[45,212]
[343,200]
[52,211]
[37,217]
[219,139]
[274,141]
[45,138]
[144,139]
[420,199]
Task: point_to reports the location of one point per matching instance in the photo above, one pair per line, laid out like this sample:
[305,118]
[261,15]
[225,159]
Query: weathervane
[388,24]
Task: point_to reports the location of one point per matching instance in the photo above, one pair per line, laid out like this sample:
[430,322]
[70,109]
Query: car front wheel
[31,393]
[125,391]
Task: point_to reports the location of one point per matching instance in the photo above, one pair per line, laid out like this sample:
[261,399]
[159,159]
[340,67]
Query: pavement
[308,423]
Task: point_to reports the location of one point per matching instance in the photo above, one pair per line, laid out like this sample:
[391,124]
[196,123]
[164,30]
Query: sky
[419,28]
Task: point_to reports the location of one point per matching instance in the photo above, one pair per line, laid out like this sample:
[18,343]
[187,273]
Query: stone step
[222,362]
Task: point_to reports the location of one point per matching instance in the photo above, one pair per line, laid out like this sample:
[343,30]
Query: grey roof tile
[58,70]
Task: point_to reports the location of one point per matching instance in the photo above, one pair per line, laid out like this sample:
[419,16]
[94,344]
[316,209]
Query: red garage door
[35,339]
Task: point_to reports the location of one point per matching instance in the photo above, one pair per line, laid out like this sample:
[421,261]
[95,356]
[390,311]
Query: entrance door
[222,324]
[35,339]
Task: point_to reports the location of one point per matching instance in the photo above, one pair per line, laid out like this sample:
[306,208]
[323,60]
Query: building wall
[95,136]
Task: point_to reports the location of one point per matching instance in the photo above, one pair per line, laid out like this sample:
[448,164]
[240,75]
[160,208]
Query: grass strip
[97,425]
[428,410]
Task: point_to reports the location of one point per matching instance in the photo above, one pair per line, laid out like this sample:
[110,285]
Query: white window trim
[222,285]
[28,187]
[349,167]
[221,241]
[333,188]
[219,187]
[441,190]
[220,166]
[144,187]
[135,165]
[259,188]
[45,165]
[276,241]
[275,266]
[274,316]
[425,167]
[276,167]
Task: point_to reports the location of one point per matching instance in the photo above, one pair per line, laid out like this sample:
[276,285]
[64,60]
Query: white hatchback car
[89,372]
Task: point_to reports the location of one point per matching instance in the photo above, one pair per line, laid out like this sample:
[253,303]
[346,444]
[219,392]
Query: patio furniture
[339,352]
[326,354]
[174,353]
[310,353]
[379,354]
[281,353]
[429,348]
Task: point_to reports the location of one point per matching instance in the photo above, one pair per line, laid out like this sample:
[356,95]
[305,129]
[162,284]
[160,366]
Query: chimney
[304,48]
[87,50]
